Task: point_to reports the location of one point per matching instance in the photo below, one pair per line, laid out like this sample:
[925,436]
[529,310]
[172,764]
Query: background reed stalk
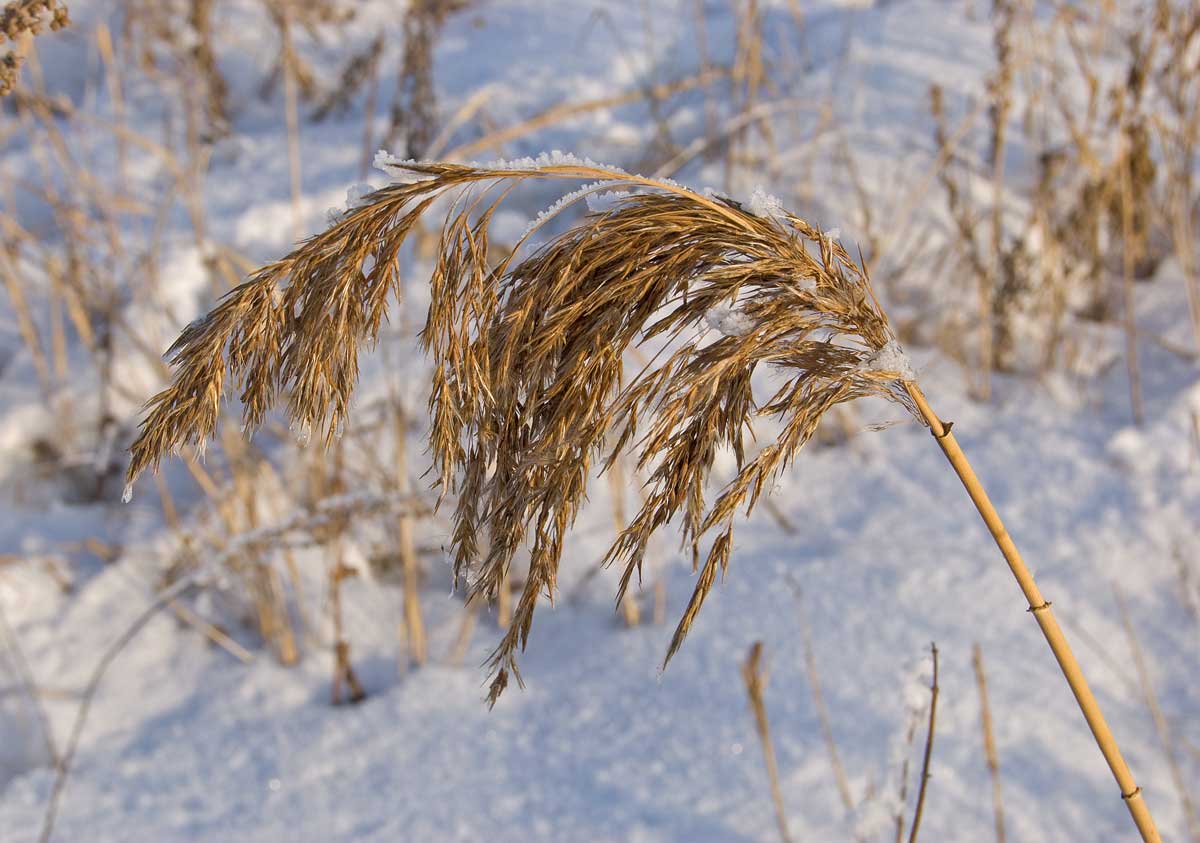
[756,683]
[989,742]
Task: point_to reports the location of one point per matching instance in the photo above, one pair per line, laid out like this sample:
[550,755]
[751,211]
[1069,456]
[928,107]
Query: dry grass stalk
[616,486]
[414,626]
[262,579]
[1165,734]
[563,111]
[529,386]
[414,109]
[1130,317]
[462,640]
[989,742]
[699,15]
[55,567]
[368,117]
[965,223]
[343,670]
[756,683]
[928,755]
[747,77]
[26,324]
[28,686]
[910,735]
[291,69]
[360,70]
[814,684]
[64,765]
[204,58]
[339,571]
[1179,138]
[1000,95]
[504,601]
[212,633]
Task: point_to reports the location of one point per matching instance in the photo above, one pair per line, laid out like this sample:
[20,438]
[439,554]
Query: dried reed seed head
[17,18]
[530,386]
[22,16]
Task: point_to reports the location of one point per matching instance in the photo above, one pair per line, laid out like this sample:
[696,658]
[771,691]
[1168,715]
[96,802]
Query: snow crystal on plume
[763,204]
[891,358]
[729,321]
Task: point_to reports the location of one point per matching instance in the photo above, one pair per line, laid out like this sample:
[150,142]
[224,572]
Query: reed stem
[1040,607]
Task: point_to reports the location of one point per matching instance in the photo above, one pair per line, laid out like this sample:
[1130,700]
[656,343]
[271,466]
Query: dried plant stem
[274,625]
[1160,721]
[933,698]
[414,626]
[113,77]
[756,683]
[466,629]
[747,75]
[1000,90]
[26,324]
[1185,249]
[989,742]
[64,766]
[504,607]
[1040,607]
[28,685]
[616,484]
[343,671]
[1127,260]
[564,111]
[706,66]
[814,683]
[368,148]
[291,114]
[909,734]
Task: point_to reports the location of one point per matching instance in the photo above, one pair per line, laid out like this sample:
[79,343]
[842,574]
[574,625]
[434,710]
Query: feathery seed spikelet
[529,386]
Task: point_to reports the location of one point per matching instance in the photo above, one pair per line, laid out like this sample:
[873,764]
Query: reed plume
[20,18]
[529,389]
[529,386]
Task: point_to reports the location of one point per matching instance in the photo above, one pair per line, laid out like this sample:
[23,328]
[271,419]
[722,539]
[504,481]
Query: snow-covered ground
[186,743]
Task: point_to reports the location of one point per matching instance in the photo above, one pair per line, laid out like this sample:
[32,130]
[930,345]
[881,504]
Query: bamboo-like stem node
[1046,605]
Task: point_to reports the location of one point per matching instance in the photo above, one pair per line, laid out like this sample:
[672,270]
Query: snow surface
[186,743]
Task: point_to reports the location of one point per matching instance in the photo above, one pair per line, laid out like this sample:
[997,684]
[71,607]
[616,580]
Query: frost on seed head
[396,168]
[891,359]
[763,204]
[356,195]
[729,321]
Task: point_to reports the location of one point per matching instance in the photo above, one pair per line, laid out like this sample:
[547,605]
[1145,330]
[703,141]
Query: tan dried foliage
[20,17]
[414,108]
[529,387]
